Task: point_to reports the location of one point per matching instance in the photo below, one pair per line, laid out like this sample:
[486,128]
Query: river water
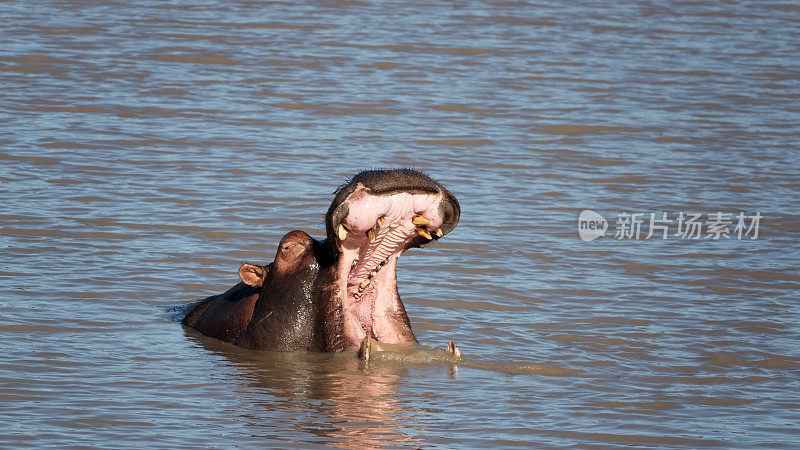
[148,148]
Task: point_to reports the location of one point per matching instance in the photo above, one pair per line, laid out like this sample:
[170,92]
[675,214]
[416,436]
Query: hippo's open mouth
[372,223]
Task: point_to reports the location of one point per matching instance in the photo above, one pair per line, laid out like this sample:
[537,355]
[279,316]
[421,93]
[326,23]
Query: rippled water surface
[148,148]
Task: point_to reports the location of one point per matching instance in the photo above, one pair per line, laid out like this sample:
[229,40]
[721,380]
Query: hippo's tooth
[451,348]
[380,221]
[371,235]
[421,220]
[342,231]
[364,284]
[424,233]
[438,233]
[377,268]
[364,350]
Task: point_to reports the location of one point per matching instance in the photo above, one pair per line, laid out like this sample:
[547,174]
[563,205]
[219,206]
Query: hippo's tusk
[363,352]
[421,220]
[451,348]
[424,233]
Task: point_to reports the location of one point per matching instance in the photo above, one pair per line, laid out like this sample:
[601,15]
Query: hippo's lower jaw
[369,346]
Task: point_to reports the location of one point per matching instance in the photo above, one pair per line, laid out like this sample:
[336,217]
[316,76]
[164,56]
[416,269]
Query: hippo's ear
[253,275]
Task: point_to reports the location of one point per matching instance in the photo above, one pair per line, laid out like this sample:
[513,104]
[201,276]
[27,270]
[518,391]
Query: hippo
[339,293]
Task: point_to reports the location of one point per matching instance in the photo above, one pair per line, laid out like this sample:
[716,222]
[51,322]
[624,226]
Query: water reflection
[344,401]
[349,403]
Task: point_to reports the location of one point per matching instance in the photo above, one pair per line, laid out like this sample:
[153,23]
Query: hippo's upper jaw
[372,220]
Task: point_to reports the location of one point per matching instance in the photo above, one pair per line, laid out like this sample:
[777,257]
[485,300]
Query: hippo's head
[332,295]
[373,218]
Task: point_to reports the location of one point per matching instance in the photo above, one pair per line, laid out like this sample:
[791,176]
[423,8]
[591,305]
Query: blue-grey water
[148,148]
